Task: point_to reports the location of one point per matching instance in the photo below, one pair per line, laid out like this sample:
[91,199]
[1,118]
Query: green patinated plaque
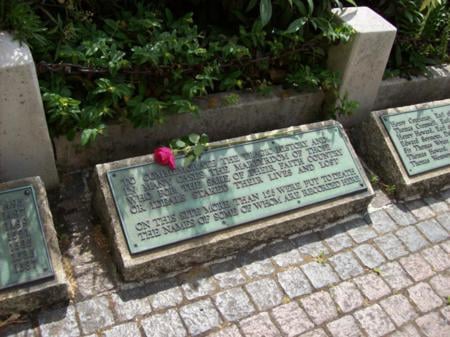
[421,138]
[23,250]
[231,186]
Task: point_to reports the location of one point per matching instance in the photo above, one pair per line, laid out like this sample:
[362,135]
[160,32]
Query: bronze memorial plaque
[421,138]
[232,185]
[23,248]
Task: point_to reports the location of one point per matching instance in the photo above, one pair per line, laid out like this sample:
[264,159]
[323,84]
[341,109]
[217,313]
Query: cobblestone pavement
[387,273]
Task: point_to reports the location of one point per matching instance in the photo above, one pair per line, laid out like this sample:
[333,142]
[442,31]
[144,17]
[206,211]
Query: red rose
[164,156]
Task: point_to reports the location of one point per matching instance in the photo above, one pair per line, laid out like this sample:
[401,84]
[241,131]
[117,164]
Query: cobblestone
[372,286]
[432,230]
[391,246]
[344,327]
[369,256]
[416,267]
[346,265]
[420,209]
[59,322]
[424,297]
[438,206]
[310,245]
[347,296]
[320,307]
[130,303]
[381,222]
[265,293]
[256,263]
[258,326]
[444,220]
[401,215]
[227,274]
[197,283]
[291,319]
[441,284]
[294,282]
[284,254]
[336,238]
[411,237]
[123,330]
[234,304]
[395,276]
[374,321]
[315,333]
[95,314]
[399,309]
[231,331]
[437,257]
[320,275]
[432,325]
[200,317]
[360,231]
[167,324]
[406,331]
[165,294]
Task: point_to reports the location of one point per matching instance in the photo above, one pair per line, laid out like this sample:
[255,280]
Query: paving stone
[336,238]
[234,304]
[320,307]
[93,280]
[291,319]
[200,317]
[347,296]
[94,314]
[411,237]
[407,331]
[381,221]
[310,245]
[227,274]
[346,265]
[344,327]
[320,275]
[446,195]
[17,330]
[446,313]
[416,267]
[259,326]
[359,230]
[401,215]
[399,309]
[432,230]
[284,253]
[446,246]
[294,282]
[372,286]
[444,220]
[369,256]
[441,284]
[59,322]
[197,283]
[256,263]
[433,325]
[130,303]
[391,246]
[395,276]
[315,333]
[420,209]
[165,294]
[438,206]
[374,321]
[231,331]
[424,297]
[124,330]
[167,324]
[265,293]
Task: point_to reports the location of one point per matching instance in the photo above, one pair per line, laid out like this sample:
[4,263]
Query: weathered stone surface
[381,221]
[401,215]
[259,325]
[432,325]
[123,330]
[420,209]
[411,237]
[200,317]
[265,293]
[438,206]
[35,295]
[391,246]
[227,274]
[168,325]
[432,230]
[310,245]
[234,304]
[374,321]
[283,253]
[360,231]
[406,331]
[369,256]
[395,276]
[128,304]
[291,319]
[94,314]
[221,243]
[441,284]
[399,309]
[231,331]
[381,154]
[18,330]
[320,307]
[165,294]
[444,220]
[344,327]
[59,322]
[416,267]
[315,333]
[346,265]
[347,296]
[256,263]
[320,275]
[372,286]
[424,297]
[336,238]
[294,282]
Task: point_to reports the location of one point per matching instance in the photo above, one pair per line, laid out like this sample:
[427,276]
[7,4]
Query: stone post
[361,62]
[25,146]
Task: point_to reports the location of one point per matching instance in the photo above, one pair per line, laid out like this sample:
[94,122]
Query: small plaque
[232,185]
[421,138]
[23,249]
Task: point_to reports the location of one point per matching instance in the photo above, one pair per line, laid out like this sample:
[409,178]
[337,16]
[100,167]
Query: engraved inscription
[422,138]
[231,186]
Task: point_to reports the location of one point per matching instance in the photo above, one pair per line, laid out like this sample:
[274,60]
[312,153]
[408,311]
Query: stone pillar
[361,62]
[25,146]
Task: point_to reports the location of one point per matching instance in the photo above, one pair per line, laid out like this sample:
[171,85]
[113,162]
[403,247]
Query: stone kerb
[361,61]
[375,144]
[32,296]
[25,146]
[225,242]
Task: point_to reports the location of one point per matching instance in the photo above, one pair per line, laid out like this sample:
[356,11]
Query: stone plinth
[381,154]
[30,296]
[25,146]
[207,246]
[361,61]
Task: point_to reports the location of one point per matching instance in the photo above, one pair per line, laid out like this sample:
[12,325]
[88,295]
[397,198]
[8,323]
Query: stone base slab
[374,144]
[218,244]
[32,296]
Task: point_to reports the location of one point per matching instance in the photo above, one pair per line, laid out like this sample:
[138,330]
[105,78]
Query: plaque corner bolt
[27,191]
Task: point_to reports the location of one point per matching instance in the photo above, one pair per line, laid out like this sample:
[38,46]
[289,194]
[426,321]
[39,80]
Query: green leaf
[296,25]
[204,139]
[310,7]
[198,150]
[251,5]
[301,7]
[194,138]
[180,144]
[265,11]
[188,160]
